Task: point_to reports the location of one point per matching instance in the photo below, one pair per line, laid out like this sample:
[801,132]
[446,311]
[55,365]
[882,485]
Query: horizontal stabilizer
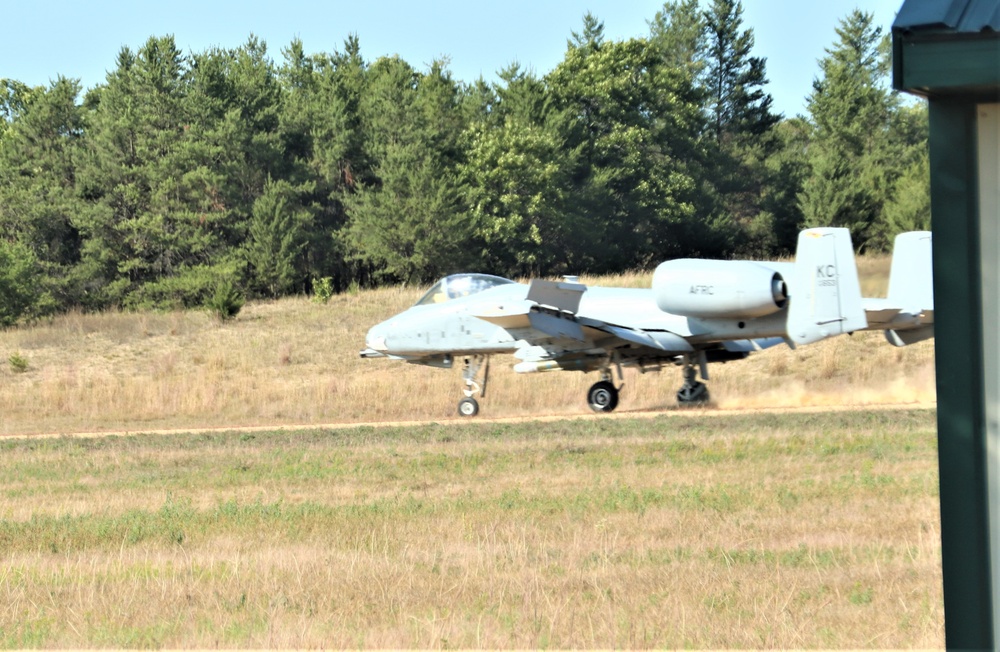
[878,316]
[912,336]
[881,317]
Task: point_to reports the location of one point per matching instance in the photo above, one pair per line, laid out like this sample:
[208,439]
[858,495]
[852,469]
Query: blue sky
[41,39]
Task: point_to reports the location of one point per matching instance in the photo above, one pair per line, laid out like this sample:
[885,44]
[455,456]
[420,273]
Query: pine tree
[21,296]
[740,132]
[38,169]
[408,223]
[137,125]
[278,235]
[326,147]
[851,152]
[678,31]
[739,107]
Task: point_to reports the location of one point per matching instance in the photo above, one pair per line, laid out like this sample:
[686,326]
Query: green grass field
[750,530]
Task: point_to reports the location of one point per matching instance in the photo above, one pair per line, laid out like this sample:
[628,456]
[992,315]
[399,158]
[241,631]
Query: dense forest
[182,173]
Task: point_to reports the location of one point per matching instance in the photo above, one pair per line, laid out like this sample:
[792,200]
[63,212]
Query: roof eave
[941,63]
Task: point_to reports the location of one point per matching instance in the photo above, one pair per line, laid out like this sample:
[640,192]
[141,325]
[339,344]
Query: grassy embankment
[747,530]
[293,361]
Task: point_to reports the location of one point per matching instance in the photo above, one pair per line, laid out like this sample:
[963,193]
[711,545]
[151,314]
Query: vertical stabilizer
[825,293]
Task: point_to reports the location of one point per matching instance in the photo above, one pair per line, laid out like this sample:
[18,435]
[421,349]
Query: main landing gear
[693,392]
[603,395]
[469,406]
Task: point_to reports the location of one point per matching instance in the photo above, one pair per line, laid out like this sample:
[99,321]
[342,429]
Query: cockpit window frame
[457,286]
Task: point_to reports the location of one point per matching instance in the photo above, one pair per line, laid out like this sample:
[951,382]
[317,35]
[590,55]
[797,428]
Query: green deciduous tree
[14,99]
[909,207]
[632,124]
[517,196]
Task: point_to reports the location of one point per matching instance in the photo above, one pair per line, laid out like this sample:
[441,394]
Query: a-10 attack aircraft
[697,312]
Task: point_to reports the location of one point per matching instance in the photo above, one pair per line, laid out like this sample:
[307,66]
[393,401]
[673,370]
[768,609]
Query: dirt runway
[680,413]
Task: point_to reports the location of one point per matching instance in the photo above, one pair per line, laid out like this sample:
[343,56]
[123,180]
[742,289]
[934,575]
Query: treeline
[184,172]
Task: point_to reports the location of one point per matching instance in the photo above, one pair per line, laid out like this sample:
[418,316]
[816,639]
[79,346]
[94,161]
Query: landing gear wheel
[602,397]
[468,407]
[692,393]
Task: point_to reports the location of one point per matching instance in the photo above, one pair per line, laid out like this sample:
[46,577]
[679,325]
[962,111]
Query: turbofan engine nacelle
[713,289]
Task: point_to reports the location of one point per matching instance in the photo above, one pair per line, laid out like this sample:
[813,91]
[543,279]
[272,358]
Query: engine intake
[714,289]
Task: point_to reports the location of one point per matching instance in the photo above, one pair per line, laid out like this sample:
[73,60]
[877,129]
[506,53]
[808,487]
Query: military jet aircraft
[697,312]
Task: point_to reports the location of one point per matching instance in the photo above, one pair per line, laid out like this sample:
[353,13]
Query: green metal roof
[964,16]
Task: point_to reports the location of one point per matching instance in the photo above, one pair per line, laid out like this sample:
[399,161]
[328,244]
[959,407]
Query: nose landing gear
[469,406]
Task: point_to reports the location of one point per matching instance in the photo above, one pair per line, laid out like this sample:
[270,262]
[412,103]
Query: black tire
[693,394]
[602,397]
[468,407]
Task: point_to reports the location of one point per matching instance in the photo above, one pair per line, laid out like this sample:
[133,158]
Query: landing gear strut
[469,406]
[692,391]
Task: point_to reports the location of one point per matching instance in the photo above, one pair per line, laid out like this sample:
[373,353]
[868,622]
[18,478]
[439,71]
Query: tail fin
[911,288]
[825,293]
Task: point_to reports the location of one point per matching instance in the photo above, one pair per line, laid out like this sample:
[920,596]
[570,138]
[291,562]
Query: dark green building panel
[949,67]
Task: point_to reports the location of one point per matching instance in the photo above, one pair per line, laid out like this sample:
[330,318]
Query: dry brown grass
[293,361]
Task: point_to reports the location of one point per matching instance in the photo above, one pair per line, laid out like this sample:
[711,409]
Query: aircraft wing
[549,308]
[549,312]
[547,320]
[750,346]
[506,316]
[660,340]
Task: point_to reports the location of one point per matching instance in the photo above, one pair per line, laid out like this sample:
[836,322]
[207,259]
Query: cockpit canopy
[460,285]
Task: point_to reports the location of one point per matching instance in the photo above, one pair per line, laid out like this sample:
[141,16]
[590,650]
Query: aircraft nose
[376,338]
